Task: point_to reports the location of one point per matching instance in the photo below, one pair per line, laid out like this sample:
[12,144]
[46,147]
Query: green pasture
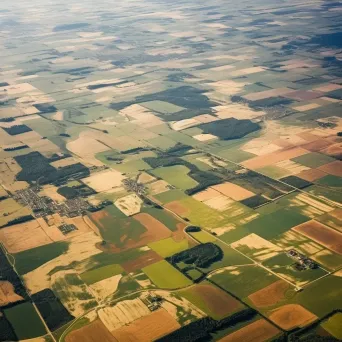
[165,276]
[98,274]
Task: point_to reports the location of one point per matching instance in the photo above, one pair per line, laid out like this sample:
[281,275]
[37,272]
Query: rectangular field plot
[25,321]
[243,281]
[284,266]
[322,234]
[168,247]
[177,176]
[313,159]
[212,300]
[163,275]
[98,274]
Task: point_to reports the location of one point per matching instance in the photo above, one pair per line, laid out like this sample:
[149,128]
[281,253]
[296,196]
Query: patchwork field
[163,275]
[148,328]
[258,331]
[321,234]
[211,300]
[292,315]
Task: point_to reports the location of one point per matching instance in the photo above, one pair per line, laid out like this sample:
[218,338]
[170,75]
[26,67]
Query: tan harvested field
[322,234]
[183,124]
[204,137]
[233,191]
[258,331]
[145,178]
[260,248]
[149,328]
[105,287]
[129,205]
[104,180]
[304,108]
[158,187]
[275,157]
[292,167]
[334,168]
[23,236]
[269,295]
[74,294]
[247,71]
[124,312]
[328,87]
[64,162]
[205,118]
[7,294]
[205,195]
[51,191]
[81,247]
[260,147]
[146,259]
[93,332]
[237,111]
[219,203]
[311,175]
[177,208]
[88,154]
[291,316]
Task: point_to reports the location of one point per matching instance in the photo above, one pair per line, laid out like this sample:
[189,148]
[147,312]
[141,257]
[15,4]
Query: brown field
[177,208]
[258,331]
[205,195]
[93,332]
[334,168]
[322,234]
[23,236]
[155,229]
[275,157]
[334,150]
[236,192]
[315,146]
[216,300]
[7,294]
[158,187]
[147,259]
[291,316]
[149,328]
[269,295]
[311,174]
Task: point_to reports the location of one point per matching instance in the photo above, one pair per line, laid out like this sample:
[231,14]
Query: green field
[33,258]
[322,296]
[104,272]
[281,266]
[25,321]
[243,281]
[271,225]
[333,325]
[203,236]
[168,247]
[165,276]
[176,175]
[201,215]
[330,181]
[162,107]
[274,171]
[328,259]
[313,159]
[170,196]
[162,142]
[330,220]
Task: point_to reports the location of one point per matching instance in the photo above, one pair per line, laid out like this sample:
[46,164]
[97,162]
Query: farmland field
[25,321]
[243,281]
[101,273]
[170,170]
[163,275]
[213,301]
